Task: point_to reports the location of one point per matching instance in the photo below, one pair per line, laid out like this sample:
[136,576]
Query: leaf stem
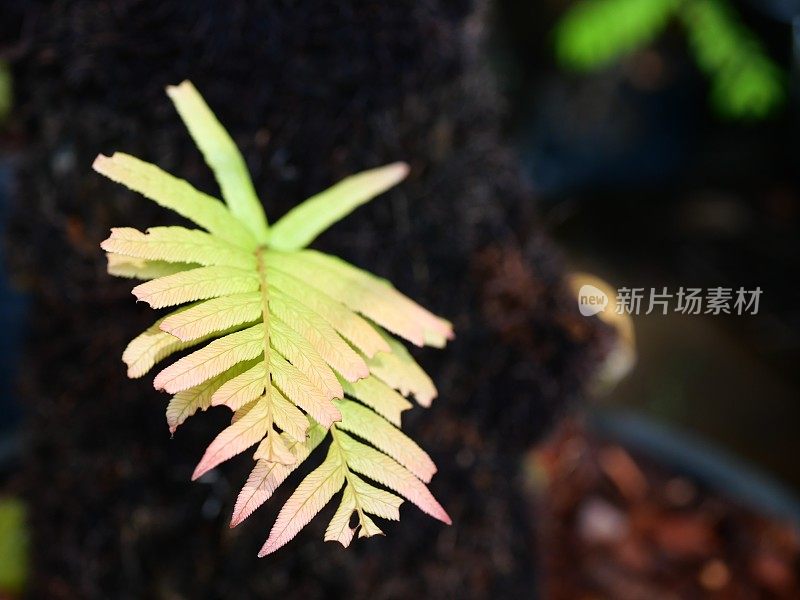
[264,288]
[335,440]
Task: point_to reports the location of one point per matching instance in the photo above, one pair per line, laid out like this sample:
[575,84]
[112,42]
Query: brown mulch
[616,525]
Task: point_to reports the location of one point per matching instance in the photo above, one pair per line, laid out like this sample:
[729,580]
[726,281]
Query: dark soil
[311,91]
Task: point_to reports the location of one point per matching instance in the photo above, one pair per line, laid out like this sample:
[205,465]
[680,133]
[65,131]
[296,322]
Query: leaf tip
[201,469]
[176,90]
[440,514]
[267,549]
[100,162]
[158,383]
[236,518]
[400,170]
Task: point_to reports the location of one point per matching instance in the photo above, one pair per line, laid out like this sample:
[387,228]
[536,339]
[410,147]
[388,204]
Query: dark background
[521,173]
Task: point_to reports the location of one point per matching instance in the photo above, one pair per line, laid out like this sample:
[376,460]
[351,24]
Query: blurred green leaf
[6,93]
[745,82]
[595,33]
[13,546]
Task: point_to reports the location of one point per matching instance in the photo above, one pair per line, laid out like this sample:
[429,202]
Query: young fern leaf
[295,341]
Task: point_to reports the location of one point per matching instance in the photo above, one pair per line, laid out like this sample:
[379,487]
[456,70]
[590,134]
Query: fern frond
[293,340]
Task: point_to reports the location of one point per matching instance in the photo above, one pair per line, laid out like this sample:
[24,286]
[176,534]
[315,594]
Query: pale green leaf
[399,370]
[197,284]
[176,194]
[312,333]
[186,403]
[240,391]
[266,477]
[375,307]
[177,244]
[361,497]
[248,430]
[243,388]
[138,268]
[213,359]
[435,328]
[366,424]
[151,346]
[288,417]
[273,448]
[299,351]
[307,220]
[383,469]
[378,396]
[242,411]
[222,155]
[363,293]
[368,527]
[315,306]
[374,500]
[299,389]
[214,316]
[339,529]
[310,497]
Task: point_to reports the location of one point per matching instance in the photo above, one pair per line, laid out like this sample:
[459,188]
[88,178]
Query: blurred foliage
[13,547]
[595,33]
[6,94]
[745,82]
